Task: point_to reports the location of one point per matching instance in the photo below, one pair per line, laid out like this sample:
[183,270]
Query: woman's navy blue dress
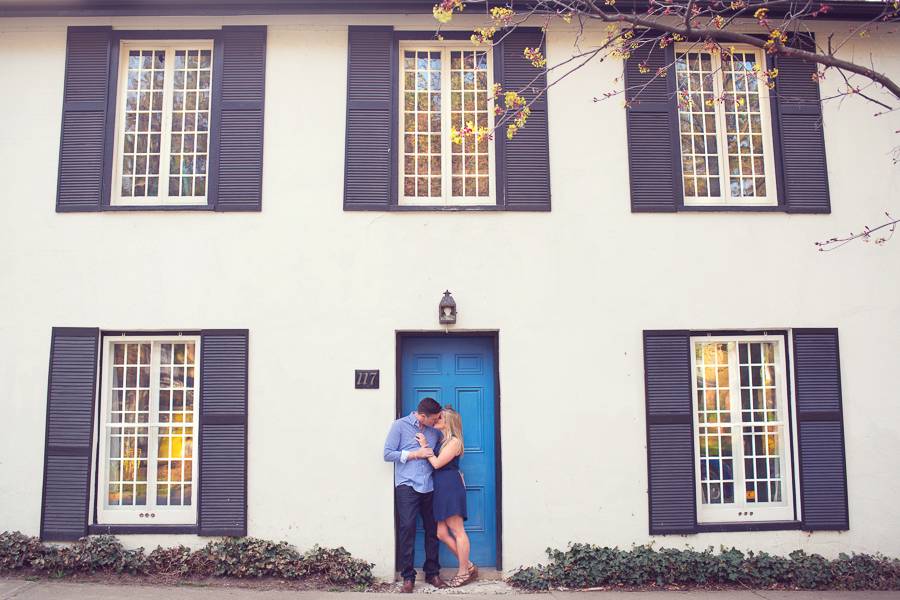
[449,492]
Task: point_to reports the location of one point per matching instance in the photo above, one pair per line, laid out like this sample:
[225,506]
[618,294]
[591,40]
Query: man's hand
[422,453]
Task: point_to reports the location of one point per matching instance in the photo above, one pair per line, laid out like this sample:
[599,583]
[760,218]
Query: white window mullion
[166,141]
[737,431]
[721,131]
[195,470]
[154,428]
[767,131]
[785,470]
[446,124]
[491,120]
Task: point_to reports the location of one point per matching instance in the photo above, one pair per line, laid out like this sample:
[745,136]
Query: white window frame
[134,515]
[726,199]
[447,199]
[170,46]
[742,511]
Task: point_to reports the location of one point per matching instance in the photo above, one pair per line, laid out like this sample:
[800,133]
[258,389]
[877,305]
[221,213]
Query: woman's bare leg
[443,534]
[455,525]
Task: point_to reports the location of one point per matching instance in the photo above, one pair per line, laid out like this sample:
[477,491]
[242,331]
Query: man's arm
[392,451]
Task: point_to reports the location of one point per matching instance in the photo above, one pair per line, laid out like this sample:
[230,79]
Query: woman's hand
[420,437]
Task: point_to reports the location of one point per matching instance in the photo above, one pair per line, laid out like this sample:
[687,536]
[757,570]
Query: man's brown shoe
[436,581]
[407,586]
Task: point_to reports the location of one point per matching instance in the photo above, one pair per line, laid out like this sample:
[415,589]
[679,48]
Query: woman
[449,501]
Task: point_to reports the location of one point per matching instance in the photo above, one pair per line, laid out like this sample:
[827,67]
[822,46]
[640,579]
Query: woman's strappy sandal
[461,580]
[473,571]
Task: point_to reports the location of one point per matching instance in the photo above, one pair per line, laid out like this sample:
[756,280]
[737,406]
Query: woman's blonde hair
[454,427]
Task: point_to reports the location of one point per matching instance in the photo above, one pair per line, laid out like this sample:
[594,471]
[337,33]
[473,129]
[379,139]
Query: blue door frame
[487,342]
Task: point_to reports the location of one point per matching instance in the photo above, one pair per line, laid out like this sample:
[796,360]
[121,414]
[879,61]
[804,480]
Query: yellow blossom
[535,56]
[443,16]
[483,35]
[502,15]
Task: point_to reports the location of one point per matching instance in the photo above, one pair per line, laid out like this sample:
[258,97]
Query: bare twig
[865,235]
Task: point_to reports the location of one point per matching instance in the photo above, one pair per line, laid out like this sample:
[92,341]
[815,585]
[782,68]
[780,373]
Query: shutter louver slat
[526,158]
[70,409]
[670,446]
[223,432]
[804,169]
[369,149]
[654,156]
[239,169]
[83,135]
[823,471]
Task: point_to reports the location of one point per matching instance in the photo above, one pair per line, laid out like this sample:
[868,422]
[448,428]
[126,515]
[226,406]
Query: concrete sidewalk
[55,590]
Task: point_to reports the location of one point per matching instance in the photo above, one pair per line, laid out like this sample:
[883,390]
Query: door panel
[460,371]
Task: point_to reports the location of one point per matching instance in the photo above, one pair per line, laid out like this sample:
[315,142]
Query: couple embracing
[425,447]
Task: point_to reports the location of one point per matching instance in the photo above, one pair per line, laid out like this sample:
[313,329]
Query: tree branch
[864,235]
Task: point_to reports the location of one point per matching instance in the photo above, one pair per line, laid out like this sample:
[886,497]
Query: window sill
[758,526]
[762,208]
[443,208]
[142,529]
[158,207]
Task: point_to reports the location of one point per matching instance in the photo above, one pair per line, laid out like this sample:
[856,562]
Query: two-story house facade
[226,233]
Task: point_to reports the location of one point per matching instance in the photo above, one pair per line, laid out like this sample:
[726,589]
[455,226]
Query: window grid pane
[697,125]
[761,431]
[743,126]
[470,166]
[142,123]
[128,441]
[177,394]
[422,166]
[714,418]
[192,84]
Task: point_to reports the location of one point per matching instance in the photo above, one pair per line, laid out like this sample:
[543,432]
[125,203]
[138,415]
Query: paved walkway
[55,590]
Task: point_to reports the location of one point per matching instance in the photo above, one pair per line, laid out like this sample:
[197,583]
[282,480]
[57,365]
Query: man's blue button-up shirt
[401,440]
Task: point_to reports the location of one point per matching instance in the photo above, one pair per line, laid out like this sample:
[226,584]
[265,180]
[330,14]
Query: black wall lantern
[447,310]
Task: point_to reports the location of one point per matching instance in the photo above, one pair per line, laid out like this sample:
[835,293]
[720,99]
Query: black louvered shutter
[803,168]
[654,152]
[223,432]
[238,142]
[370,123]
[820,436]
[67,446]
[670,432]
[84,120]
[525,159]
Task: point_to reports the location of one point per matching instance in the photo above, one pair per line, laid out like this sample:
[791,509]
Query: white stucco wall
[322,292]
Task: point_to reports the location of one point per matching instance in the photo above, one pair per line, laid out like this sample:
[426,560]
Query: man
[413,489]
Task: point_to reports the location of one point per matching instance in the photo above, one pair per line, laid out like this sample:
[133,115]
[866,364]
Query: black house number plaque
[367,379]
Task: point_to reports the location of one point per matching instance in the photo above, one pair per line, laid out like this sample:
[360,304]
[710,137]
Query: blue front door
[460,371]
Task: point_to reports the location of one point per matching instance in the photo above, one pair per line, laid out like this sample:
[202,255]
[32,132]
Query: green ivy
[227,557]
[584,566]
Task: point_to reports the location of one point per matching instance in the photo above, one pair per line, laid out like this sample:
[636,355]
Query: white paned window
[163,123]
[444,87]
[149,409]
[725,128]
[742,440]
